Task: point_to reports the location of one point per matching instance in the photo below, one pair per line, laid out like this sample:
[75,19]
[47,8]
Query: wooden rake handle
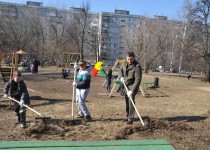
[134,105]
[26,106]
[73,95]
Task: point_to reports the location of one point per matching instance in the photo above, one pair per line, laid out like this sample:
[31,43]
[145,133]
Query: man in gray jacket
[131,74]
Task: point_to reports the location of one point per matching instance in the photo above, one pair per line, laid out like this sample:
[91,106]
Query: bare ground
[178,111]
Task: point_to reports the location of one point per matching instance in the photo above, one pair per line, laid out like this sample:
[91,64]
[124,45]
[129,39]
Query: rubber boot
[23,119]
[18,119]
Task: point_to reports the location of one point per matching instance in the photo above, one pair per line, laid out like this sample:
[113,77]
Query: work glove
[21,103]
[74,84]
[122,79]
[75,65]
[5,95]
[129,93]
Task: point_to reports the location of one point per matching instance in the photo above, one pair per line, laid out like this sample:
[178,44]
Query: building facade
[111,35]
[107,44]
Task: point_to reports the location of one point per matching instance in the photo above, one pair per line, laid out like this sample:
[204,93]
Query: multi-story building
[108,25]
[111,41]
[47,15]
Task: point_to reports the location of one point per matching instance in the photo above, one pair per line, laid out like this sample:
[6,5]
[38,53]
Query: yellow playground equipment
[69,59]
[8,64]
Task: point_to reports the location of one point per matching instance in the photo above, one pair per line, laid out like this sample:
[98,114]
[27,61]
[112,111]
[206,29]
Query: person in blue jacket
[82,84]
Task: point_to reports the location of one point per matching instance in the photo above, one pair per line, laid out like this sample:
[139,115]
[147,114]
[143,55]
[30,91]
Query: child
[82,85]
[32,69]
[189,76]
[64,74]
[108,80]
[122,90]
[19,92]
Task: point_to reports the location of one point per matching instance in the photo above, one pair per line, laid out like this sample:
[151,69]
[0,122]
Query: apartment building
[47,15]
[109,27]
[111,35]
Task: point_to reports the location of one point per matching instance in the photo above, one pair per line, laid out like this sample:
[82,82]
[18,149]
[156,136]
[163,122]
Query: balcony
[104,36]
[105,20]
[105,25]
[104,31]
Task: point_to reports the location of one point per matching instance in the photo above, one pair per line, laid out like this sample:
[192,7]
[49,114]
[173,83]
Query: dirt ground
[179,112]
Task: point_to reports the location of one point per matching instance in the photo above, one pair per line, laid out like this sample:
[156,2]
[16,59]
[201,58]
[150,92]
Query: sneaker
[17,122]
[80,116]
[130,121]
[23,125]
[125,120]
[88,118]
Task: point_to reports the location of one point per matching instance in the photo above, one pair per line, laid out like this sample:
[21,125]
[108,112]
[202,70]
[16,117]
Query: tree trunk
[208,73]
[146,70]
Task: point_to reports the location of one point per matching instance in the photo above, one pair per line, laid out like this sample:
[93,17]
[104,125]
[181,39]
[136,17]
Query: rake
[134,105]
[41,116]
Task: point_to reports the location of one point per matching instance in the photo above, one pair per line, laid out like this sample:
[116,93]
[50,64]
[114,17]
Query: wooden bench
[145,84]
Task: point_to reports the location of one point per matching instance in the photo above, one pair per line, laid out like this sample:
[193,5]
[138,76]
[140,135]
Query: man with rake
[130,74]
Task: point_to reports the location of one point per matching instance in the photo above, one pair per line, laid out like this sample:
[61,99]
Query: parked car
[157,70]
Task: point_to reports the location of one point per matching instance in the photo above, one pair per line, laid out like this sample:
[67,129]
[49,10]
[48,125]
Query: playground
[177,111]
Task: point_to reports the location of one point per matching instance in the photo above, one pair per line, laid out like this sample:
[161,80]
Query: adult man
[36,64]
[131,74]
[83,85]
[19,92]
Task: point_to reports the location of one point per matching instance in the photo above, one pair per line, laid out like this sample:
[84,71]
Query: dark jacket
[132,75]
[109,76]
[36,63]
[18,91]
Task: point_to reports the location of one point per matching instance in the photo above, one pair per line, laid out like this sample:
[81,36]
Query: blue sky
[170,8]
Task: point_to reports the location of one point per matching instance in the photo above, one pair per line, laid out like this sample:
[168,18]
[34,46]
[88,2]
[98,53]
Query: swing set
[68,59]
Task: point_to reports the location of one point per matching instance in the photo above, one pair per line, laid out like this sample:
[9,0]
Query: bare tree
[152,38]
[57,40]
[78,30]
[201,13]
[93,43]
[17,32]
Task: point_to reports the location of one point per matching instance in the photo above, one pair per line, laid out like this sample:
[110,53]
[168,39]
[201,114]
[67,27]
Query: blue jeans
[108,84]
[81,95]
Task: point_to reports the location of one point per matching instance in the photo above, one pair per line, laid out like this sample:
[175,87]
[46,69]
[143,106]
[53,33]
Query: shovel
[41,116]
